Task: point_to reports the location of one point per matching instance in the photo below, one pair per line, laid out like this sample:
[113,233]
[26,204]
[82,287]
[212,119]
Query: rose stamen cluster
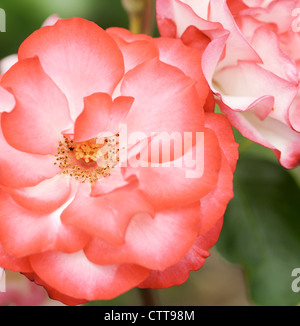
[88,160]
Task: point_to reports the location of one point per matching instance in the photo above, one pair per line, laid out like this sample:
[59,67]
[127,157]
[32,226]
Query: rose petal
[7,100]
[100,114]
[19,169]
[79,56]
[265,42]
[41,112]
[193,260]
[12,263]
[43,232]
[222,128]
[45,197]
[294,113]
[7,62]
[162,240]
[182,189]
[104,186]
[252,84]
[108,216]
[136,48]
[270,133]
[188,60]
[94,118]
[172,93]
[51,20]
[77,277]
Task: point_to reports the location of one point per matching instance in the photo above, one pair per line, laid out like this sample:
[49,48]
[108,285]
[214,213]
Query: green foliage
[24,17]
[262,230]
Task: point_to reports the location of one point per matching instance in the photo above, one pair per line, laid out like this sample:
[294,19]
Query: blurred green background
[261,255]
[25,16]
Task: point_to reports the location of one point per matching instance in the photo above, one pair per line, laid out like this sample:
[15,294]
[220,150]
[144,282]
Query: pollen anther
[81,160]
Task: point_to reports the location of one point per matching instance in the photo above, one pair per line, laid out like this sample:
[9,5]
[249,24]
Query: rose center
[88,161]
[88,151]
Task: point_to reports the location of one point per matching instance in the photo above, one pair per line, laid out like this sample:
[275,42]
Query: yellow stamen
[87,154]
[89,151]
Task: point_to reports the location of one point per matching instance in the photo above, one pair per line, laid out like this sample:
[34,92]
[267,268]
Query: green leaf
[262,230]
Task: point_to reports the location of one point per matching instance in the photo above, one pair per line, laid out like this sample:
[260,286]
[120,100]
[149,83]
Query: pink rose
[251,62]
[83,215]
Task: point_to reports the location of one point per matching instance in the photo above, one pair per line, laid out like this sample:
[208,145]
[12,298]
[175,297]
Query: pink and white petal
[107,216]
[51,20]
[213,53]
[173,93]
[79,56]
[202,10]
[53,293]
[13,263]
[120,109]
[127,36]
[7,62]
[253,84]
[236,6]
[196,39]
[167,27]
[294,113]
[74,275]
[279,63]
[43,232]
[41,112]
[45,197]
[106,185]
[94,118]
[7,100]
[155,243]
[290,44]
[214,204]
[182,15]
[256,3]
[19,169]
[270,133]
[237,47]
[187,185]
[203,16]
[101,116]
[248,25]
[135,49]
[187,59]
[222,128]
[277,12]
[192,261]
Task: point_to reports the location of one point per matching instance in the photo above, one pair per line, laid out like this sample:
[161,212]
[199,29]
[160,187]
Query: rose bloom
[75,217]
[251,62]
